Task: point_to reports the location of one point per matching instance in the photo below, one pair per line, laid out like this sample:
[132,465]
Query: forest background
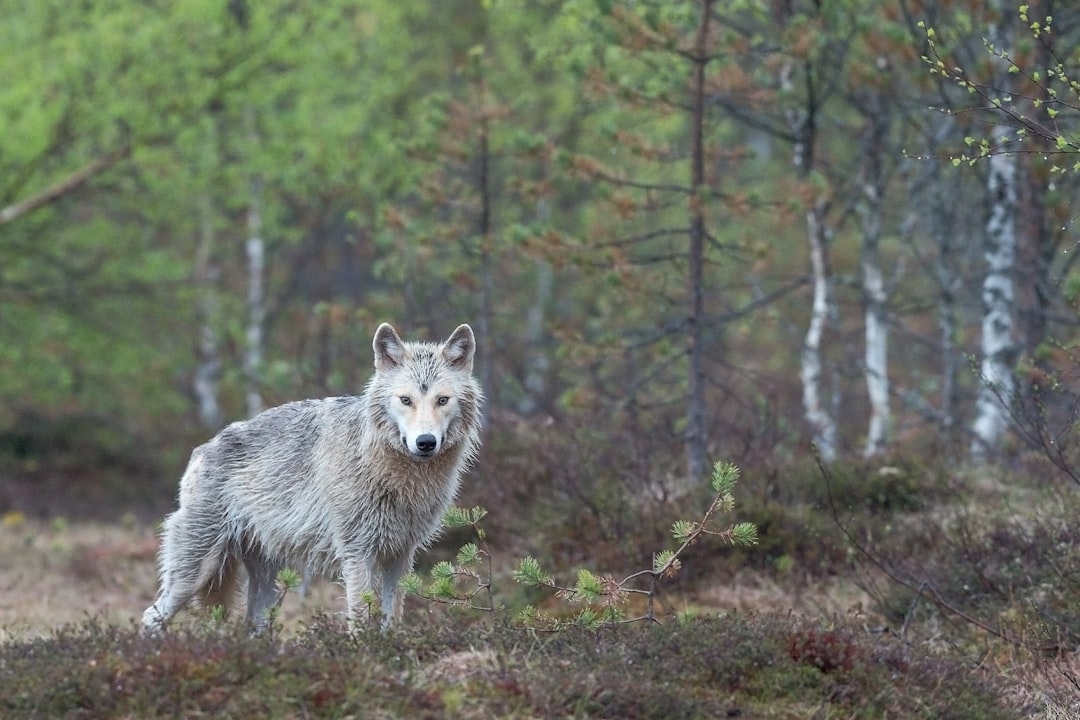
[682,231]
[830,242]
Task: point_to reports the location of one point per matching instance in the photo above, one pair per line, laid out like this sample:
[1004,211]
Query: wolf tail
[198,560]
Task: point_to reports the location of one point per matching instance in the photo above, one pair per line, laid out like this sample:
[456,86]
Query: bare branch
[60,188]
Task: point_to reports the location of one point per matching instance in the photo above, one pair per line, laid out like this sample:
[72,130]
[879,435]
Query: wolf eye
[405,400]
[442,400]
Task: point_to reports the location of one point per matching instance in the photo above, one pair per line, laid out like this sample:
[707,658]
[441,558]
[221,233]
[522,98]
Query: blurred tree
[659,169]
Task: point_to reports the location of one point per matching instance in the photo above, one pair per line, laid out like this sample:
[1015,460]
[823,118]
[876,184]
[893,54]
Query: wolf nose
[426,443]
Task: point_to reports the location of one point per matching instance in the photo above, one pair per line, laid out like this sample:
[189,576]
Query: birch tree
[997,341]
[207,375]
[998,344]
[876,349]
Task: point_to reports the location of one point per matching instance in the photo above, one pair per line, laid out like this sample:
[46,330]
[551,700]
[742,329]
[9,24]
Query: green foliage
[1028,116]
[528,572]
[459,583]
[683,530]
[601,595]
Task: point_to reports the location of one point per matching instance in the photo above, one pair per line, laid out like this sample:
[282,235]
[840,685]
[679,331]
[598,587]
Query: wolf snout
[427,443]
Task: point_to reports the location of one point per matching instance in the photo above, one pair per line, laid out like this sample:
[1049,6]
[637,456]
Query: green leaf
[289,578]
[468,554]
[724,477]
[744,534]
[588,586]
[460,517]
[681,530]
[589,618]
[411,584]
[528,572]
[661,560]
[443,588]
[443,570]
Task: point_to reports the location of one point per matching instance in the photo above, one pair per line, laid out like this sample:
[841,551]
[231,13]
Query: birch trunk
[877,330]
[876,350]
[256,260]
[996,381]
[208,367]
[803,125]
[998,343]
[208,357]
[811,370]
[256,303]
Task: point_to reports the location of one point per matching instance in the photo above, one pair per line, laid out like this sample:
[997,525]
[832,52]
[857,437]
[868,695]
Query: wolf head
[426,390]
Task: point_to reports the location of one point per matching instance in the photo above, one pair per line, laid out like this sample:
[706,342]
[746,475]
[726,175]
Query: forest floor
[793,645]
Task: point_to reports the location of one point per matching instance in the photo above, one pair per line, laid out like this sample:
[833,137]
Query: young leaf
[681,530]
[468,554]
[528,572]
[289,578]
[443,570]
[588,618]
[459,517]
[411,584]
[744,534]
[725,475]
[443,588]
[588,586]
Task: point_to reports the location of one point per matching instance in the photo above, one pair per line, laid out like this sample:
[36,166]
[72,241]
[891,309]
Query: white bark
[877,341]
[822,424]
[256,259]
[208,368]
[876,349]
[810,371]
[997,383]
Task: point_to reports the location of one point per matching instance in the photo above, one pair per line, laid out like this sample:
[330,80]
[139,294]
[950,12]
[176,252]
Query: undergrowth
[737,665]
[598,599]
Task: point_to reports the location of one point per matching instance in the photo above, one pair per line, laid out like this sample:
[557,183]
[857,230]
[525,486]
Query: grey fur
[349,485]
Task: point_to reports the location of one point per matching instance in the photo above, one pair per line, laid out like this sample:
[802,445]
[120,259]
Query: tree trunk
[803,123]
[696,451]
[537,358]
[996,381]
[256,260]
[876,351]
[485,231]
[810,372]
[208,367]
[877,330]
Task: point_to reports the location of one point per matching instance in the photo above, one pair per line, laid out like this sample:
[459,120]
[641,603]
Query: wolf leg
[358,573]
[262,590]
[192,559]
[393,599]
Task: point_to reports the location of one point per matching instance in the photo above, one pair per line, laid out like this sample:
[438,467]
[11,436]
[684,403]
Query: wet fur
[338,486]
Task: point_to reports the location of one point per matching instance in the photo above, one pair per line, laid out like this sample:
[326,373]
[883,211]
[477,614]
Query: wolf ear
[389,350]
[459,348]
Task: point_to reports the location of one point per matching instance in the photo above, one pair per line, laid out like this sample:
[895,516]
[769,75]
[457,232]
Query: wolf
[349,487]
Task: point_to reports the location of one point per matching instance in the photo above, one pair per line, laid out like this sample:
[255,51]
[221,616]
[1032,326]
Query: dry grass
[59,573]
